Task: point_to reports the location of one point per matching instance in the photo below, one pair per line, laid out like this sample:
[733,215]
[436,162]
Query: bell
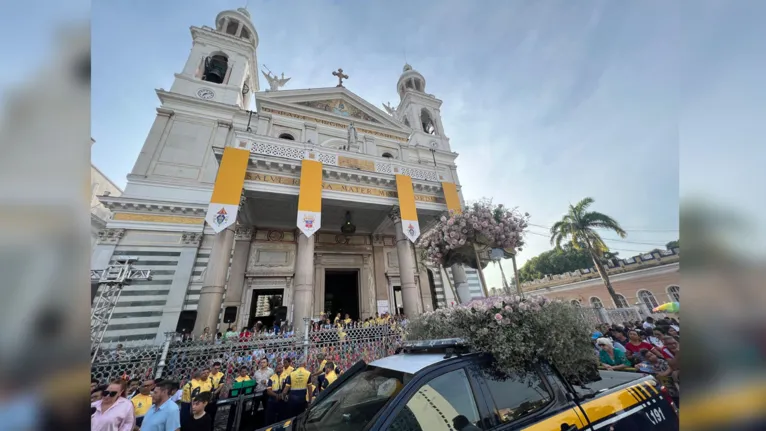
[215,68]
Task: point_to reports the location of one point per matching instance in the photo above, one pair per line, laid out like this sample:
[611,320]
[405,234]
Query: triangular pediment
[333,101]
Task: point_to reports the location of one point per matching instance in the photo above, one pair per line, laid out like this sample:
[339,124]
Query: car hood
[285,425]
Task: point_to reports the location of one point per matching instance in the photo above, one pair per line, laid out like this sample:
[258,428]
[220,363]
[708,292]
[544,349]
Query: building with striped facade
[203,279]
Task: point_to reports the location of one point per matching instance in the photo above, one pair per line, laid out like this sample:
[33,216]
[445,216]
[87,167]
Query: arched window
[621,301]
[427,122]
[647,298]
[287,136]
[232,27]
[215,69]
[674,293]
[245,34]
[576,303]
[387,155]
[595,302]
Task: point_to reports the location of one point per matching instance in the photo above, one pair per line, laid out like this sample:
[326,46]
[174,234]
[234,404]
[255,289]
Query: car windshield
[353,405]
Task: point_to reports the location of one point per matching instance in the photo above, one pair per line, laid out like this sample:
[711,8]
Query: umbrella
[668,307]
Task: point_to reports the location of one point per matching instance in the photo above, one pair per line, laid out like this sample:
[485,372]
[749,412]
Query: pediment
[334,101]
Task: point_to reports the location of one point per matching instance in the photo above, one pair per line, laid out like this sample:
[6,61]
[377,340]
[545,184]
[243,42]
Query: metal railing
[595,316]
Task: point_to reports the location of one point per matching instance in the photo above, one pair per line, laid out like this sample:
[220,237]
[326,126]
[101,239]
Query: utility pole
[110,280]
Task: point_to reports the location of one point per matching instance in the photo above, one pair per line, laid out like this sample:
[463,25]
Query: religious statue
[390,109]
[352,136]
[275,82]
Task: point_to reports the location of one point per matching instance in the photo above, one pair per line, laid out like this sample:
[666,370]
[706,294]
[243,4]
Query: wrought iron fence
[595,316]
[176,359]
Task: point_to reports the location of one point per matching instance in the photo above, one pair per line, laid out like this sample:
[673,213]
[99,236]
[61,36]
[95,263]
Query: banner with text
[310,197]
[224,203]
[451,197]
[409,215]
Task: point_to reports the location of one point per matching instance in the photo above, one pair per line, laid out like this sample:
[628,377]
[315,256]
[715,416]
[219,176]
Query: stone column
[236,284]
[214,282]
[461,283]
[425,289]
[303,291]
[174,304]
[367,285]
[410,295]
[107,243]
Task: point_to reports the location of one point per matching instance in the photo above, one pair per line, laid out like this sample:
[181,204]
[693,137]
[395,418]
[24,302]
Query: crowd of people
[651,347]
[159,405]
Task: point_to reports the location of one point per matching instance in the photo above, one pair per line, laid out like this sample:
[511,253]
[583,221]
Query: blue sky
[546,102]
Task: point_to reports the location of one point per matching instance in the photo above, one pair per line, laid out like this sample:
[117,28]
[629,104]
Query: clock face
[205,93]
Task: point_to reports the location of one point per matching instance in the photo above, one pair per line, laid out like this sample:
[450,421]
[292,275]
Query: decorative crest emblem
[308,221]
[221,216]
[411,229]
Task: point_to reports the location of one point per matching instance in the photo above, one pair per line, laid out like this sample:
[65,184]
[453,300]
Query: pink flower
[508,308]
[498,317]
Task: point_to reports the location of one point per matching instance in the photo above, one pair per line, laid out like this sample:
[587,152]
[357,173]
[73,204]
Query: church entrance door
[264,307]
[341,295]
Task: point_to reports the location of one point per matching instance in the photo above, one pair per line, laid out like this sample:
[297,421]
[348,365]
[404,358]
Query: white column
[410,295]
[214,282]
[303,290]
[174,304]
[236,284]
[461,283]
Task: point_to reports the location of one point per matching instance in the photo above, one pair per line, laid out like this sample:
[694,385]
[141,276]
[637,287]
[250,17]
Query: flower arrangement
[454,237]
[517,332]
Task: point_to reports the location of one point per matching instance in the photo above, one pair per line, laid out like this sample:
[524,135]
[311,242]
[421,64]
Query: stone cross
[339,74]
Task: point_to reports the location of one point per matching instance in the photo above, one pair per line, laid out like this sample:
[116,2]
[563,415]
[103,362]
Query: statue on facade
[390,109]
[352,136]
[275,82]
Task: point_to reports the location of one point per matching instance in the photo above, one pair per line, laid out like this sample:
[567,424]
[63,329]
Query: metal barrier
[596,316]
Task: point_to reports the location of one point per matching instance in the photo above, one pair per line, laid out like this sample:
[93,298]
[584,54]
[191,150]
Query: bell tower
[222,65]
[420,111]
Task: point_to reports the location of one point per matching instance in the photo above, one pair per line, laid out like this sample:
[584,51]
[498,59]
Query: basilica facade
[243,201]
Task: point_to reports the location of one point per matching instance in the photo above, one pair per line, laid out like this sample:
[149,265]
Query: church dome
[410,80]
[237,23]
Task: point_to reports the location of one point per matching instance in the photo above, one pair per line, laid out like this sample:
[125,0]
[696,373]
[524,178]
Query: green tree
[555,261]
[578,227]
[673,244]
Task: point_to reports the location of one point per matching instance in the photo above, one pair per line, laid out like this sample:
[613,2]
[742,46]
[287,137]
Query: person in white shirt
[649,323]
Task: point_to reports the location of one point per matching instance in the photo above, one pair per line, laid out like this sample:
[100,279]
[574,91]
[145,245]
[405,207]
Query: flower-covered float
[457,235]
[517,332]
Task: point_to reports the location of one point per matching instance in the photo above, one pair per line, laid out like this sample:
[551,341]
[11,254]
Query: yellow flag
[224,203]
[451,197]
[409,214]
[310,197]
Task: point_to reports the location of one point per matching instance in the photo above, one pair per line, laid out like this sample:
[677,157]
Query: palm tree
[578,227]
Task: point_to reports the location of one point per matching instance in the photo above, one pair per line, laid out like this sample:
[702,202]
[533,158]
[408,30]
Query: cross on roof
[339,74]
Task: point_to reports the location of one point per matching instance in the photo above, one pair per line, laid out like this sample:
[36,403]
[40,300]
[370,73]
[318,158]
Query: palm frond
[581,206]
[603,221]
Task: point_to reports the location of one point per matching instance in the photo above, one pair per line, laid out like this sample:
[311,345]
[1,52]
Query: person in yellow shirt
[347,320]
[216,376]
[296,387]
[329,376]
[142,400]
[288,366]
[200,382]
[243,376]
[274,403]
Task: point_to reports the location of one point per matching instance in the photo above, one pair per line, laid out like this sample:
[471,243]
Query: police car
[439,385]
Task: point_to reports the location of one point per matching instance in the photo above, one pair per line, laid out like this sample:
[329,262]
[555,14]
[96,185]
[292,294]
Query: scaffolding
[111,281]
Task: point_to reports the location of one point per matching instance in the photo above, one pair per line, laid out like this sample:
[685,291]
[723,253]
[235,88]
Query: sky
[545,102]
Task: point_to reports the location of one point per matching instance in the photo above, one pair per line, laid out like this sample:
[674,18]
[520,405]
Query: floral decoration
[517,332]
[482,224]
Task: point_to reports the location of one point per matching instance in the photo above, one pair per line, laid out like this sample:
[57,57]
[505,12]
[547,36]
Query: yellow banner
[310,197]
[407,209]
[451,197]
[224,203]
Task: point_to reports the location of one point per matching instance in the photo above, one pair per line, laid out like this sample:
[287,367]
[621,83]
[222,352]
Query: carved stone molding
[224,124]
[377,241]
[276,235]
[110,236]
[191,238]
[367,260]
[242,199]
[243,233]
[165,112]
[394,214]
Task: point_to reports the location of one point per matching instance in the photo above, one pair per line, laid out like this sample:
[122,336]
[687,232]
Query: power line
[639,251]
[625,228]
[611,239]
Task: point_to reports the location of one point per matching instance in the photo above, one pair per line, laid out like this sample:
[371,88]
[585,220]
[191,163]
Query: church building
[251,204]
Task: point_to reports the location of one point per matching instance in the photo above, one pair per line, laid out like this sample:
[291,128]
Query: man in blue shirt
[163,415]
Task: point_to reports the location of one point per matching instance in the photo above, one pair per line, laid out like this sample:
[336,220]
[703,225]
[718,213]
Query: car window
[445,403]
[355,402]
[515,396]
